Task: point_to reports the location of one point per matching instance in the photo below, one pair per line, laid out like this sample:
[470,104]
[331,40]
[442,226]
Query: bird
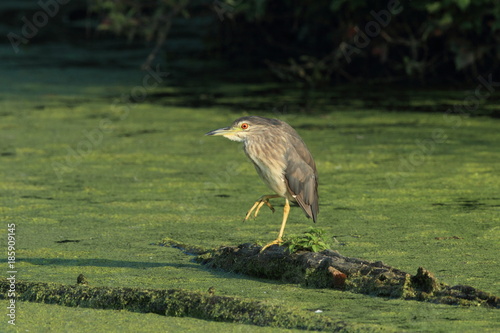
[283,162]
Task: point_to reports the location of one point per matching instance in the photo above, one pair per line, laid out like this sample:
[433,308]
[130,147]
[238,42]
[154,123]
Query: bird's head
[243,128]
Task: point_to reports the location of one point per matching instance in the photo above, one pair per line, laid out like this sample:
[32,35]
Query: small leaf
[446,19]
[433,7]
[462,4]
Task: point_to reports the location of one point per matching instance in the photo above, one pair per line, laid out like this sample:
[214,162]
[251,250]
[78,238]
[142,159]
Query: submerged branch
[329,269]
[172,302]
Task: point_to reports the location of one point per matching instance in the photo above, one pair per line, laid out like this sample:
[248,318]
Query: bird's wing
[301,177]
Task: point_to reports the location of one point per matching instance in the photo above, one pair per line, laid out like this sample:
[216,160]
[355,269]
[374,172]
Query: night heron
[283,162]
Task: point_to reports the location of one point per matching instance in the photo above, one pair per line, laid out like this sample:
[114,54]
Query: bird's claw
[261,203]
[275,242]
[257,205]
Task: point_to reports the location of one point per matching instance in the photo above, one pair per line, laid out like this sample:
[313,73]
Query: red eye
[244,126]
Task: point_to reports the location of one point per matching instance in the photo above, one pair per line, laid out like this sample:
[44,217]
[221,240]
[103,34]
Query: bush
[333,40]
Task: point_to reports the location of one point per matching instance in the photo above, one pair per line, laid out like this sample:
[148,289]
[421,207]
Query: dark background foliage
[320,42]
[325,42]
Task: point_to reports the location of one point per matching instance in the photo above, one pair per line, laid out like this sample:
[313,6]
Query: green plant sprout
[311,240]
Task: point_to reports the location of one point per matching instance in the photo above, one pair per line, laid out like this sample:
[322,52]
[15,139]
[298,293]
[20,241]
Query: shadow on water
[240,98]
[468,204]
[102,263]
[236,89]
[315,127]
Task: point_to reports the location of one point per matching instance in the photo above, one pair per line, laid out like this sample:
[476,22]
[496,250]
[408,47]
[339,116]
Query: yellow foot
[263,200]
[275,242]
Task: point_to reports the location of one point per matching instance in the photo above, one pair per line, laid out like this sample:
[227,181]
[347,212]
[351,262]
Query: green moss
[317,278]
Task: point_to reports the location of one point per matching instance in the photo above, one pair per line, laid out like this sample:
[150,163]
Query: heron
[282,161]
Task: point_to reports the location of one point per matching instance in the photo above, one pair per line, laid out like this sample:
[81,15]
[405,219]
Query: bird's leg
[278,240]
[259,203]
[286,211]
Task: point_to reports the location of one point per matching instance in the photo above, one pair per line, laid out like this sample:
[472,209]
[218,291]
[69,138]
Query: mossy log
[330,269]
[172,302]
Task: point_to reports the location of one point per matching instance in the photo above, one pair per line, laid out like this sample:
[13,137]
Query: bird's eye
[244,126]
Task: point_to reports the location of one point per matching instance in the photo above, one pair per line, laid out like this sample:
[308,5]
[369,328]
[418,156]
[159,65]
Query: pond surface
[96,166]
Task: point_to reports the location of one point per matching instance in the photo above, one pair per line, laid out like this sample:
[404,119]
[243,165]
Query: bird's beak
[221,131]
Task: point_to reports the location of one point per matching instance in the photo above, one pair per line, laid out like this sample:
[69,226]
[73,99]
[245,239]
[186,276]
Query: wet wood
[330,269]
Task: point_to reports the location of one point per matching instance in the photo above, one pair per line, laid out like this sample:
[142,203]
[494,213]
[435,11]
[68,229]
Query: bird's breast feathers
[270,166]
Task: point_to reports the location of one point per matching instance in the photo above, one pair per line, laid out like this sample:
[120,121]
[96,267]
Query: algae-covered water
[96,167]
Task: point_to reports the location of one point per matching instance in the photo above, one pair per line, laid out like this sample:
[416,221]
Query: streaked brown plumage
[281,159]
